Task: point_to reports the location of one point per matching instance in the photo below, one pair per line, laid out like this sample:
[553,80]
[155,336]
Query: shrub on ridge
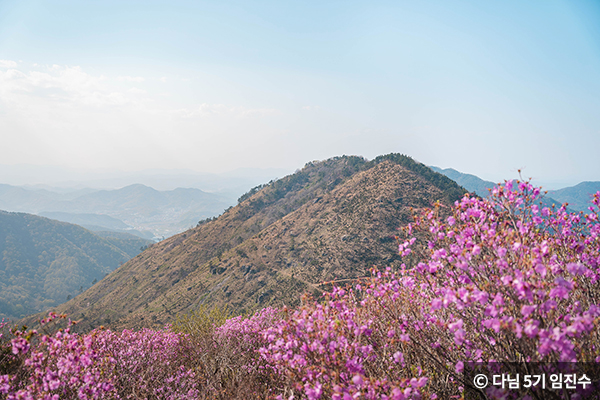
[501,279]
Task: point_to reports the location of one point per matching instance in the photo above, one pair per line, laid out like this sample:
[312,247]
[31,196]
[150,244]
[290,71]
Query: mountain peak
[332,220]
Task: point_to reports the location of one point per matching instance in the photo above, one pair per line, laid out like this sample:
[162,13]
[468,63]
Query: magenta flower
[20,345]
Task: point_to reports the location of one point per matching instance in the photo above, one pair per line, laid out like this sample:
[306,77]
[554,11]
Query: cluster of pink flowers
[61,364]
[336,350]
[99,365]
[495,280]
[147,363]
[242,336]
[505,279]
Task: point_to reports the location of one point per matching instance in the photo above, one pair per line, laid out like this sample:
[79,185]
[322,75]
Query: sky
[484,87]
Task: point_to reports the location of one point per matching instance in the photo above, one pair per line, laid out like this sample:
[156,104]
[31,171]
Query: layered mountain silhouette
[44,262]
[331,221]
[136,209]
[470,182]
[579,196]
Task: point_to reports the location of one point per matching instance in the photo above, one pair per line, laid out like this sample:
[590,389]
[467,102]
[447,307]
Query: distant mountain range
[136,209]
[230,184]
[44,262]
[331,221]
[470,182]
[578,197]
[154,214]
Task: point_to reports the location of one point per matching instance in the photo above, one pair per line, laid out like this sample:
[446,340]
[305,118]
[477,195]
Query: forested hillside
[44,262]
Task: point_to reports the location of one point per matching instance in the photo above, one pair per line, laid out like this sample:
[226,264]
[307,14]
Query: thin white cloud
[58,83]
[62,114]
[134,90]
[163,79]
[222,110]
[131,78]
[49,86]
[8,64]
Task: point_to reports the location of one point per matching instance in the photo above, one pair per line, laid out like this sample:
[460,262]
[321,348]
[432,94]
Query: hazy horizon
[161,179]
[210,87]
[58,177]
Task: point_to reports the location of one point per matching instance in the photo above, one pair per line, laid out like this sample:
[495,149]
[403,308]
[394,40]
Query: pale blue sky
[485,87]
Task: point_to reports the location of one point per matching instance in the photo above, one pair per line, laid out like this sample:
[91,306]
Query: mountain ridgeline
[577,198]
[136,209]
[470,182]
[331,221]
[45,262]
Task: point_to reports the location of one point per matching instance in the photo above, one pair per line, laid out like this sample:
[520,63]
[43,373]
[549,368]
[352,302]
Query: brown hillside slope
[332,220]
